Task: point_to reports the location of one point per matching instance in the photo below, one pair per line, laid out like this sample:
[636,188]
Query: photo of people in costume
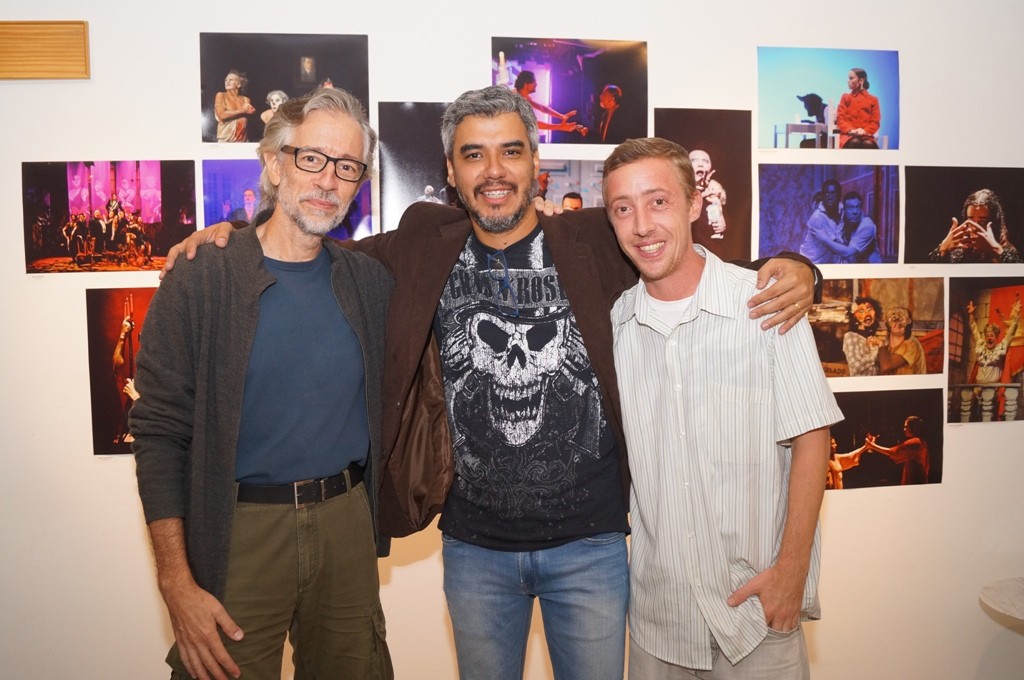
[880,327]
[986,349]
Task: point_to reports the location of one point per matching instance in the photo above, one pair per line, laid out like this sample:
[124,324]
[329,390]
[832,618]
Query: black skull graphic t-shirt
[535,459]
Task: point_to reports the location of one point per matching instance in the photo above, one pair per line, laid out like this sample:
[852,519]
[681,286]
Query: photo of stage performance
[583,91]
[891,438]
[831,214]
[964,215]
[412,163]
[719,145]
[880,327]
[231,193]
[839,99]
[986,349]
[114,317]
[90,216]
[244,77]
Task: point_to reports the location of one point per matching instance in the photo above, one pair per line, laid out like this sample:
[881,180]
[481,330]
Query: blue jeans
[583,588]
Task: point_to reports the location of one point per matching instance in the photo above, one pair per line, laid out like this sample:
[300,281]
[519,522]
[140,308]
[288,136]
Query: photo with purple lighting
[583,91]
[231,193]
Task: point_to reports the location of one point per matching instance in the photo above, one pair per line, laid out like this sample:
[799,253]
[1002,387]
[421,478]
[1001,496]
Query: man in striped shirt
[727,431]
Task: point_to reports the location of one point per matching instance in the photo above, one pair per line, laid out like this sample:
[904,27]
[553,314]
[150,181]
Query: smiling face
[494,171]
[651,215]
[316,202]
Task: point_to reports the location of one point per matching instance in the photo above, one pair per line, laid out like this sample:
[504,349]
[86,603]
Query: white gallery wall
[902,566]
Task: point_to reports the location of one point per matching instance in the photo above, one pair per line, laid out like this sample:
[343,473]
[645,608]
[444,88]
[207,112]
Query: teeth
[653,248]
[497,194]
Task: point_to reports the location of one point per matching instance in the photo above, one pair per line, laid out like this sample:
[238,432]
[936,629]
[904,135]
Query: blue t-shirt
[304,406]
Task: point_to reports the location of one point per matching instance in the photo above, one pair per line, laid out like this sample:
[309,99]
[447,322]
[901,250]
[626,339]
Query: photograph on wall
[986,349]
[244,77]
[888,438]
[823,98]
[869,327]
[114,317]
[582,91]
[571,184]
[719,146]
[968,215]
[231,193]
[412,161]
[831,214]
[90,216]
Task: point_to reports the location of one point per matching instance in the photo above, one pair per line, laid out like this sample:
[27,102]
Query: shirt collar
[712,295]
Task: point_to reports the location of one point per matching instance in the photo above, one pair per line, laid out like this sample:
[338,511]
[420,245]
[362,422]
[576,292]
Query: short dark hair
[853,196]
[613,90]
[525,78]
[914,424]
[572,194]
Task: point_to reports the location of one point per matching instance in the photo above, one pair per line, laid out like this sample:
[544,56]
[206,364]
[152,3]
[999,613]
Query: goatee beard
[502,224]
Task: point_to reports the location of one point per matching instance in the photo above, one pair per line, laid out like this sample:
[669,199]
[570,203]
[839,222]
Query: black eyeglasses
[498,268]
[346,169]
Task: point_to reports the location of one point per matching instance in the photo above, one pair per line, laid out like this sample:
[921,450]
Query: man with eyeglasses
[500,400]
[258,445]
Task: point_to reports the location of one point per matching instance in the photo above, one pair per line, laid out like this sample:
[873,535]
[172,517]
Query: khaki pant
[781,656]
[309,573]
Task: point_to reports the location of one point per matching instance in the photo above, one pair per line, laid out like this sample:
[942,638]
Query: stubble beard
[313,226]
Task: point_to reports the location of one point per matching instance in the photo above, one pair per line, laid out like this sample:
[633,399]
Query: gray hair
[293,113]
[488,102]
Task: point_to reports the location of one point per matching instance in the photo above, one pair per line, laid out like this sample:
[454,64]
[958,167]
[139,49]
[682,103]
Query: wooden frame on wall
[44,49]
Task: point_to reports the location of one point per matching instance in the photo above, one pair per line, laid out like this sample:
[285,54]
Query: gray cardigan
[195,346]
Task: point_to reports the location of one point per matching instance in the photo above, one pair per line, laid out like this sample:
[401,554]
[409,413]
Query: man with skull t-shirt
[534,456]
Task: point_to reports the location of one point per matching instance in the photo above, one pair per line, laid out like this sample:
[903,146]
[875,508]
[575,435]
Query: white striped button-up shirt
[709,405]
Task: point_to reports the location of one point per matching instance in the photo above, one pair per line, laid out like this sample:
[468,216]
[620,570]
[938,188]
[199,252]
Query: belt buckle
[297,486]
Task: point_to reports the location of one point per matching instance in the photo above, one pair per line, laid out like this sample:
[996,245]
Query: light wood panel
[44,49]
